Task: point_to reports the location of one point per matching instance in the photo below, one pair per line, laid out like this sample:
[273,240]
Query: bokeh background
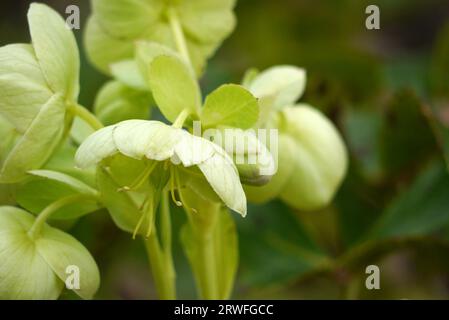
[387,91]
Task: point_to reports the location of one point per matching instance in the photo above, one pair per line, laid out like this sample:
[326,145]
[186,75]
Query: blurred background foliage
[387,91]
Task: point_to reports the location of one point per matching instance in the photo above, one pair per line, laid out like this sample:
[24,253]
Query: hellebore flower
[312,157]
[116,25]
[159,148]
[37,259]
[39,82]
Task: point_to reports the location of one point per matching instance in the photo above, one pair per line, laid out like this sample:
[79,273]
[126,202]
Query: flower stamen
[141,179]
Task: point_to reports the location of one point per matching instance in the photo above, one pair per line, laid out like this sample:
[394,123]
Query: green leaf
[37,144]
[71,182]
[63,160]
[56,50]
[127,18]
[217,19]
[147,51]
[362,131]
[60,250]
[48,186]
[419,210]
[116,102]
[275,248]
[128,73]
[230,105]
[103,49]
[439,79]
[400,151]
[174,87]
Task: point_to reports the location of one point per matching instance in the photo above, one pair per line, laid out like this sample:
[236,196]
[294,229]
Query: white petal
[152,139]
[96,147]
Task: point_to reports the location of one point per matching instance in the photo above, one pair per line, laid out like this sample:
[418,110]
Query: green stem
[179,122]
[178,35]
[36,228]
[86,115]
[161,268]
[208,273]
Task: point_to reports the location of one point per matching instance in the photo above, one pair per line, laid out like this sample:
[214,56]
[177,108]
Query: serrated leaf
[230,105]
[56,50]
[174,87]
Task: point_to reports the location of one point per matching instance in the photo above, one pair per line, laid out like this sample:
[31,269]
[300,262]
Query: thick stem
[86,115]
[208,274]
[160,255]
[36,228]
[178,35]
[161,268]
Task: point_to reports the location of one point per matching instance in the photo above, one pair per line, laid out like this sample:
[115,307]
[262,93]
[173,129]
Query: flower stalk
[86,116]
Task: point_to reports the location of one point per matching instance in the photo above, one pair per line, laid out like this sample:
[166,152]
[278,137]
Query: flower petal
[222,175]
[152,139]
[96,147]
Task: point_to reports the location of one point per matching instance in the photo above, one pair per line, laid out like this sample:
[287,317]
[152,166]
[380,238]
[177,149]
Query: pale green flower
[38,83]
[160,150]
[34,262]
[312,157]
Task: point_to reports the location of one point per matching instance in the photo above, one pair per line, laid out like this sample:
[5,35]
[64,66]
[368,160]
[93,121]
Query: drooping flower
[160,150]
[312,158]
